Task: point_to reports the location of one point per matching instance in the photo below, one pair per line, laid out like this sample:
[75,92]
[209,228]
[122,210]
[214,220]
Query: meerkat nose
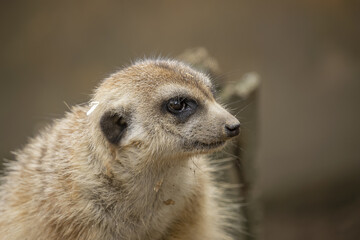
[232,130]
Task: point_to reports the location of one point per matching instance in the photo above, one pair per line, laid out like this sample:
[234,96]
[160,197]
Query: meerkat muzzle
[232,130]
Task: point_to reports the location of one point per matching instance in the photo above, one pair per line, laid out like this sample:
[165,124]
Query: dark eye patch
[181,107]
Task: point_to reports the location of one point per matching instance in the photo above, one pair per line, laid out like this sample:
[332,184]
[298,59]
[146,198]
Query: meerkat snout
[232,127]
[232,130]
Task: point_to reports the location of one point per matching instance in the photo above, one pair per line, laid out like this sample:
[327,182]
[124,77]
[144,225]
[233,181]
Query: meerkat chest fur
[154,195]
[158,197]
[130,165]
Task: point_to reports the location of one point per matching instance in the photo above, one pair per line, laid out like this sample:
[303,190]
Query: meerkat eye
[176,105]
[182,108]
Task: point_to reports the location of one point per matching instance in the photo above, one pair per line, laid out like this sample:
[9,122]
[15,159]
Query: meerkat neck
[152,185]
[133,168]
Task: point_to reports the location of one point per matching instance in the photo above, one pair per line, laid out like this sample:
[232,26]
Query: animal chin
[203,147]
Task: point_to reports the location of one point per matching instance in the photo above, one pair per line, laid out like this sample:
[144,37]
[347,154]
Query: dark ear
[113,126]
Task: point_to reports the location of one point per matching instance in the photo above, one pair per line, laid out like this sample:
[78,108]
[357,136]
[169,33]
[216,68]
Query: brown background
[307,53]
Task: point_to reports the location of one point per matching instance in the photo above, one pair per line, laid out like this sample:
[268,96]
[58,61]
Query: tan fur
[71,183]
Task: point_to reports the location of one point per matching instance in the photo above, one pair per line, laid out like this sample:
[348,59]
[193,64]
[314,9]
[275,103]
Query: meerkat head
[163,108]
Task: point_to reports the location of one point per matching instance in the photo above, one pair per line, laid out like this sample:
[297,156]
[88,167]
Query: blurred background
[307,53]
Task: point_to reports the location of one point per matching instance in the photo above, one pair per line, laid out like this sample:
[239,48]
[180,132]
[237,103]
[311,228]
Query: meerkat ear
[113,126]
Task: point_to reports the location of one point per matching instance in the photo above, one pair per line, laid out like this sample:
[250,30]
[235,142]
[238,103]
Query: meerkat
[131,164]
